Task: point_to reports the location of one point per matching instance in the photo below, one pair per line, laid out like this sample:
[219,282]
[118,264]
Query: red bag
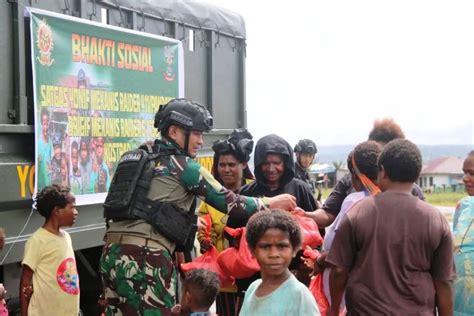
[208,261]
[238,262]
[316,288]
[316,285]
[309,231]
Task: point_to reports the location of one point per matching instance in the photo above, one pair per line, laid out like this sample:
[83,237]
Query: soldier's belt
[132,240]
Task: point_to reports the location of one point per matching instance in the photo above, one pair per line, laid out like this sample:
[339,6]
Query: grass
[436,198]
[444,198]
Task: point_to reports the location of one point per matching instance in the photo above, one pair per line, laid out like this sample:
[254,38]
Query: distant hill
[328,154]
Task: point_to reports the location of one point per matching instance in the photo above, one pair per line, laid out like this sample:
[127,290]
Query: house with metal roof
[445,172]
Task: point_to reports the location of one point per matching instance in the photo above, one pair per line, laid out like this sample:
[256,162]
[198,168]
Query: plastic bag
[208,260]
[316,285]
[309,231]
[316,288]
[238,262]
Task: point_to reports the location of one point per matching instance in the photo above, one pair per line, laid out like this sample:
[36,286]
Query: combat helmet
[306,146]
[184,113]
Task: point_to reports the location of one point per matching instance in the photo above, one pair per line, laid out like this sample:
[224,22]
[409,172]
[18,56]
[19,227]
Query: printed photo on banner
[96,93]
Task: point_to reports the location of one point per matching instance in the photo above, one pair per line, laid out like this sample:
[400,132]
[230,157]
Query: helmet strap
[187,134]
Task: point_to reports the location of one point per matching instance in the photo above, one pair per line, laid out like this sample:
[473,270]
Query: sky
[326,70]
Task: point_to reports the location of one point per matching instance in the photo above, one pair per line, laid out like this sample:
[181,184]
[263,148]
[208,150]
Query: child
[3,303]
[55,164]
[49,264]
[392,252]
[274,237]
[362,163]
[200,288]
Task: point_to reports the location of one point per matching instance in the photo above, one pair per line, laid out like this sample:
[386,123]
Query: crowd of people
[385,252]
[75,162]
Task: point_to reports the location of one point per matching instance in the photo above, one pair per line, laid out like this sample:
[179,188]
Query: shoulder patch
[133,156]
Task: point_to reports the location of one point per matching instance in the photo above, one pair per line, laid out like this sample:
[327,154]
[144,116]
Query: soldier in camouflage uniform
[305,151]
[136,266]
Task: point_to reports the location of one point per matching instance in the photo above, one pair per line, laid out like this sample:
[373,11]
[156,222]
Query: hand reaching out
[286,202]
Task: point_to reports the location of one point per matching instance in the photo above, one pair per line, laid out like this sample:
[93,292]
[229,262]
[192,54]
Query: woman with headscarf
[274,175]
[231,170]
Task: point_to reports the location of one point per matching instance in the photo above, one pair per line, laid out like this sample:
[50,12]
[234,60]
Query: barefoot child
[274,238]
[49,264]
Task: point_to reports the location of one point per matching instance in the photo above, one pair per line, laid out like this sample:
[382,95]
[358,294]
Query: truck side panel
[214,76]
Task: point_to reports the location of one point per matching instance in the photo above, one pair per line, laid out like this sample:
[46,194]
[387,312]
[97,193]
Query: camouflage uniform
[136,265]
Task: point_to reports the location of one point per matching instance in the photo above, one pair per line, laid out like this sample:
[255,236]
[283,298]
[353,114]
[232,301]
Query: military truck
[213,42]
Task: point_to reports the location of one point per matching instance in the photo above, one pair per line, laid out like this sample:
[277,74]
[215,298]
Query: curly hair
[49,197]
[365,156]
[385,130]
[203,286]
[262,221]
[401,160]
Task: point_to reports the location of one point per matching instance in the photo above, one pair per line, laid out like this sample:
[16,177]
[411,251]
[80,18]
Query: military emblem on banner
[169,74]
[44,41]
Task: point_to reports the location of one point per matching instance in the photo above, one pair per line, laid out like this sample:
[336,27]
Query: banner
[96,91]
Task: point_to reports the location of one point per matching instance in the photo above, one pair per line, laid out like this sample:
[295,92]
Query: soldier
[305,152]
[150,211]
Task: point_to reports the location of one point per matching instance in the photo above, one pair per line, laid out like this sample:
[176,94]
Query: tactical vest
[127,197]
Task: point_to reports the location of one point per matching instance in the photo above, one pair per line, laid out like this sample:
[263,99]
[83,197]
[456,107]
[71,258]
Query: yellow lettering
[93,52]
[206,162]
[79,126]
[113,151]
[76,47]
[85,49]
[22,174]
[120,55]
[32,179]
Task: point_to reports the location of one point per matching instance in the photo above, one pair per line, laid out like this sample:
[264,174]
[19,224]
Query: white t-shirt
[55,278]
[292,298]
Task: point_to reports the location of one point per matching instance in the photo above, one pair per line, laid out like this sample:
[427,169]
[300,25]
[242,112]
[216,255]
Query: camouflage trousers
[137,280]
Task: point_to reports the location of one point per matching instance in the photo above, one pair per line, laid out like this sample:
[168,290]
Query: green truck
[213,48]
